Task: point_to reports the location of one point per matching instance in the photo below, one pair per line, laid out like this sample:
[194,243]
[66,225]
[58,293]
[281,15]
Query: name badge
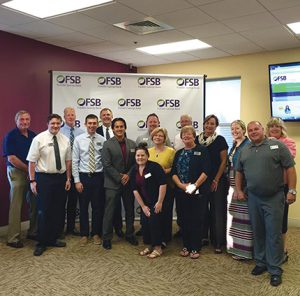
[132,150]
[274,147]
[148,175]
[50,144]
[198,153]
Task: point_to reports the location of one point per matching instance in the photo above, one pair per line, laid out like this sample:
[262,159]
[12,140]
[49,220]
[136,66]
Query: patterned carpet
[91,270]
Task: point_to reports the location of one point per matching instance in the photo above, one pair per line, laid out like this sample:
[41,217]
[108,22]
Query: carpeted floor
[91,270]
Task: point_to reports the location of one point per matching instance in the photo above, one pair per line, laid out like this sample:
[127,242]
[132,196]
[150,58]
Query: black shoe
[106,244]
[59,244]
[32,237]
[132,240]
[16,245]
[39,250]
[119,233]
[275,280]
[258,270]
[205,242]
[74,232]
[163,245]
[178,234]
[285,257]
[139,232]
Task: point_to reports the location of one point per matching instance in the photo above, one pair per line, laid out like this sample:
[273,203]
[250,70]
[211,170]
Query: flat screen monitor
[285,91]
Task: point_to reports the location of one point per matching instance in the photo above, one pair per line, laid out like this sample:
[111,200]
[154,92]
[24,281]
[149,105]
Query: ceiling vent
[148,25]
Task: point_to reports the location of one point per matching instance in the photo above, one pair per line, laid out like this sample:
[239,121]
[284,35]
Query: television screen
[285,91]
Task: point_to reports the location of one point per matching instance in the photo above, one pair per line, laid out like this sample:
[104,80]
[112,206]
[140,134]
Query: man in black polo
[15,147]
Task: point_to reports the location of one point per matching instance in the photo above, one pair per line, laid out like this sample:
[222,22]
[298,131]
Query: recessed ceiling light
[173,47]
[295,27]
[47,8]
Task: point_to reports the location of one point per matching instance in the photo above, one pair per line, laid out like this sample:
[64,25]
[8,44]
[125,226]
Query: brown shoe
[97,239]
[83,241]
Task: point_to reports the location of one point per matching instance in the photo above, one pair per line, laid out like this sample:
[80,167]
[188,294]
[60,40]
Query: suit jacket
[99,131]
[113,162]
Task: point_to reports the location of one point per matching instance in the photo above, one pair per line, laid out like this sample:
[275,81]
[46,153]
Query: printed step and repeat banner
[131,96]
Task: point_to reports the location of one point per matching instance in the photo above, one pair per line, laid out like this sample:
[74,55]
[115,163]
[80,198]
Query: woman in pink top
[277,129]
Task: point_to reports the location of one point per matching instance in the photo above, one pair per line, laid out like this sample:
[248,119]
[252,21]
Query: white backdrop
[131,96]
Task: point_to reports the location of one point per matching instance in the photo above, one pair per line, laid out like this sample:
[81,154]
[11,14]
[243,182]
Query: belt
[90,175]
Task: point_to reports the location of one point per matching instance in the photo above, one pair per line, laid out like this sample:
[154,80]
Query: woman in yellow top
[164,156]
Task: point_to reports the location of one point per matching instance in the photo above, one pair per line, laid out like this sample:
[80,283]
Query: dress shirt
[66,129]
[42,152]
[178,144]
[80,159]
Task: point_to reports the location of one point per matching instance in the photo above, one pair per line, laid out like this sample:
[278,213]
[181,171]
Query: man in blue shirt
[71,131]
[87,171]
[15,147]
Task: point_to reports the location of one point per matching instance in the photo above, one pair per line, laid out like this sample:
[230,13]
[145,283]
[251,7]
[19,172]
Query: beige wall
[255,103]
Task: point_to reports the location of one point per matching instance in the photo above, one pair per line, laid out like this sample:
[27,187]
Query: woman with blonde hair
[164,156]
[239,231]
[277,129]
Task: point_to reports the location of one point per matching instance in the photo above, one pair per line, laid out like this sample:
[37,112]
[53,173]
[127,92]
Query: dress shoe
[275,280]
[205,242]
[106,244]
[285,257]
[258,270]
[132,240]
[59,244]
[96,239]
[16,245]
[139,232]
[119,233]
[83,241]
[32,237]
[74,232]
[39,250]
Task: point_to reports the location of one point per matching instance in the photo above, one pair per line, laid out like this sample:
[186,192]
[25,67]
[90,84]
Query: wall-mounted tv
[285,91]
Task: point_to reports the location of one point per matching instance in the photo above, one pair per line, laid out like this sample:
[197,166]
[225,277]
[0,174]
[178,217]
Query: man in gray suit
[118,157]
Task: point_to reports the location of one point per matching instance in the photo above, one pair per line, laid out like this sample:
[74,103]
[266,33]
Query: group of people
[238,199]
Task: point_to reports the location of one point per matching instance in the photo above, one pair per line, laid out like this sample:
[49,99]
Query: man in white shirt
[49,168]
[105,130]
[88,176]
[71,131]
[185,120]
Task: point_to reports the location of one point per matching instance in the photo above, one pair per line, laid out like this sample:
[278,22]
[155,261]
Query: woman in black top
[217,213]
[189,172]
[148,182]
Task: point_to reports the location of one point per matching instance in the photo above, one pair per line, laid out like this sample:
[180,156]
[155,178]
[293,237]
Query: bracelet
[32,181]
[215,181]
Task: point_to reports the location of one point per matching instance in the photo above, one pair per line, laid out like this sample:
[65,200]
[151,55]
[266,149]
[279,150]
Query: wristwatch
[292,191]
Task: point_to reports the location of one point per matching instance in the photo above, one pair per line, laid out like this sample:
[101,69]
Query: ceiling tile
[11,18]
[114,13]
[185,18]
[232,8]
[207,30]
[253,21]
[209,53]
[278,4]
[155,7]
[288,15]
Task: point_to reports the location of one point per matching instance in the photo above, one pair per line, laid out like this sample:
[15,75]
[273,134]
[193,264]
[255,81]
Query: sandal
[154,254]
[145,252]
[184,252]
[194,255]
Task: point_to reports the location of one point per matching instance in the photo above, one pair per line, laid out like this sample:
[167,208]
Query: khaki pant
[19,189]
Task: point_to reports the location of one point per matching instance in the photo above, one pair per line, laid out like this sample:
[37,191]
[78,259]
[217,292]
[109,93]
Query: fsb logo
[68,79]
[195,124]
[168,103]
[141,124]
[129,102]
[149,81]
[109,80]
[187,82]
[89,102]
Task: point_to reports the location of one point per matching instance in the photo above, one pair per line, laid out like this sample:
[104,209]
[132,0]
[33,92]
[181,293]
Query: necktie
[72,137]
[92,163]
[56,153]
[107,135]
